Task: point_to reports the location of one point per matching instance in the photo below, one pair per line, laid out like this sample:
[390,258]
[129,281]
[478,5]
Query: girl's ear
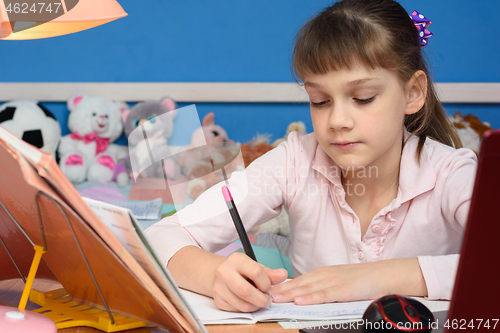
[416,92]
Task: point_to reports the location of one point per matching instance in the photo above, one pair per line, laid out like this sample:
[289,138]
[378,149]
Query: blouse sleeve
[259,193]
[456,182]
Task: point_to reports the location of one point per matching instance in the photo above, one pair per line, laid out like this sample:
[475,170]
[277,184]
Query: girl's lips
[346,146]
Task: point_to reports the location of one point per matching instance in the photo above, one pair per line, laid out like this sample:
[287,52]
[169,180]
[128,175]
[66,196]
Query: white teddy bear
[88,153]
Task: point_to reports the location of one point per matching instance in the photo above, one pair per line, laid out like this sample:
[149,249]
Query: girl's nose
[340,117]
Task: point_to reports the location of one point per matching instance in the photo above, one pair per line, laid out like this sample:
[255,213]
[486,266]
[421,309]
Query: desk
[10,294]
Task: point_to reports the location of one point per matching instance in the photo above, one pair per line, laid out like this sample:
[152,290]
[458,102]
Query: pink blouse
[426,220]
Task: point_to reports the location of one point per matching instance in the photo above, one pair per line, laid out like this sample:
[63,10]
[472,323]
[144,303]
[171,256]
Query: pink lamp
[30,20]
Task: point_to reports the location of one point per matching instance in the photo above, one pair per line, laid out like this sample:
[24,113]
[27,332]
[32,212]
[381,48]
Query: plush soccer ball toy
[88,153]
[32,122]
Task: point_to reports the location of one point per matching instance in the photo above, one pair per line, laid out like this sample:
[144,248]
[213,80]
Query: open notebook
[208,312]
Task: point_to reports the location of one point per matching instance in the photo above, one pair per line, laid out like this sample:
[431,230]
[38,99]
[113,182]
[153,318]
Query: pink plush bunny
[209,138]
[210,133]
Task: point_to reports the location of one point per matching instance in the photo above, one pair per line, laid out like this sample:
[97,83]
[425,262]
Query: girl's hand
[232,289]
[354,282]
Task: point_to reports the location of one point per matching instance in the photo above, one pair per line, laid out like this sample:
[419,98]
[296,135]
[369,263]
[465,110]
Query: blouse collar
[414,179]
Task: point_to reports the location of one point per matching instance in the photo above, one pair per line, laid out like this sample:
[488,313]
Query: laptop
[476,293]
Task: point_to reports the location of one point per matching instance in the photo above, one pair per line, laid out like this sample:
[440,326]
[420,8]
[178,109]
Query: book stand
[58,305]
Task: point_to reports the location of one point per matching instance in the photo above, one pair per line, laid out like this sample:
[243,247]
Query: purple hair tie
[422,23]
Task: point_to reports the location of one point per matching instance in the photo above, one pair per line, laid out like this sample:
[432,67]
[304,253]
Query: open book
[84,253]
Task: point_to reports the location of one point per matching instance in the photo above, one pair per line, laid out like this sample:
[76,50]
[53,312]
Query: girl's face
[358,115]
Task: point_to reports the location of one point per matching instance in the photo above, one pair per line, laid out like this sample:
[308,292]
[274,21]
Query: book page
[162,276]
[120,222]
[327,311]
[209,313]
[28,151]
[434,306]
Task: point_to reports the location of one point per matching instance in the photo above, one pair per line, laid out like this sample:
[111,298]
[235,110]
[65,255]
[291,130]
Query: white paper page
[23,147]
[209,313]
[163,278]
[280,311]
[294,324]
[329,311]
[434,306]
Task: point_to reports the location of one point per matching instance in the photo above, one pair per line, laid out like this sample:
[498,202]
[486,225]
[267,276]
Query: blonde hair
[380,34]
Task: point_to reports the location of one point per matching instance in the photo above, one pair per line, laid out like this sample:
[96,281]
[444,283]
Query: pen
[241,230]
[237,223]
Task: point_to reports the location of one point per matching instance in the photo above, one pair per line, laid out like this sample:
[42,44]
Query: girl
[377,195]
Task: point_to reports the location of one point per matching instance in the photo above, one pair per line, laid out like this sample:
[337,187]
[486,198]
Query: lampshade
[33,19]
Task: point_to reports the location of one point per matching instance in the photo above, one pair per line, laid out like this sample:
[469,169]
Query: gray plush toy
[148,127]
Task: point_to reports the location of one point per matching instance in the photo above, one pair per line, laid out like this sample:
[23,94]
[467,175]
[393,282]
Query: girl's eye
[317,105]
[364,101]
[136,122]
[152,119]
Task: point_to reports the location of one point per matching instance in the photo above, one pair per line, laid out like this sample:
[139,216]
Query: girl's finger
[237,303]
[253,271]
[277,276]
[247,292]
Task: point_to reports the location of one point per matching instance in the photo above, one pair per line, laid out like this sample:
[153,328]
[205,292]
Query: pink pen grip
[226,194]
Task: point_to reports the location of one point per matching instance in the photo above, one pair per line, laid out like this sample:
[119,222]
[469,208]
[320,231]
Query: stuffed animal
[208,136]
[88,153]
[32,122]
[255,148]
[470,130]
[148,127]
[297,126]
[209,151]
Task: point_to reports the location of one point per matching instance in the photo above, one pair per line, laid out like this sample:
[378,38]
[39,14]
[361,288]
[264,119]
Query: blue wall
[241,41]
